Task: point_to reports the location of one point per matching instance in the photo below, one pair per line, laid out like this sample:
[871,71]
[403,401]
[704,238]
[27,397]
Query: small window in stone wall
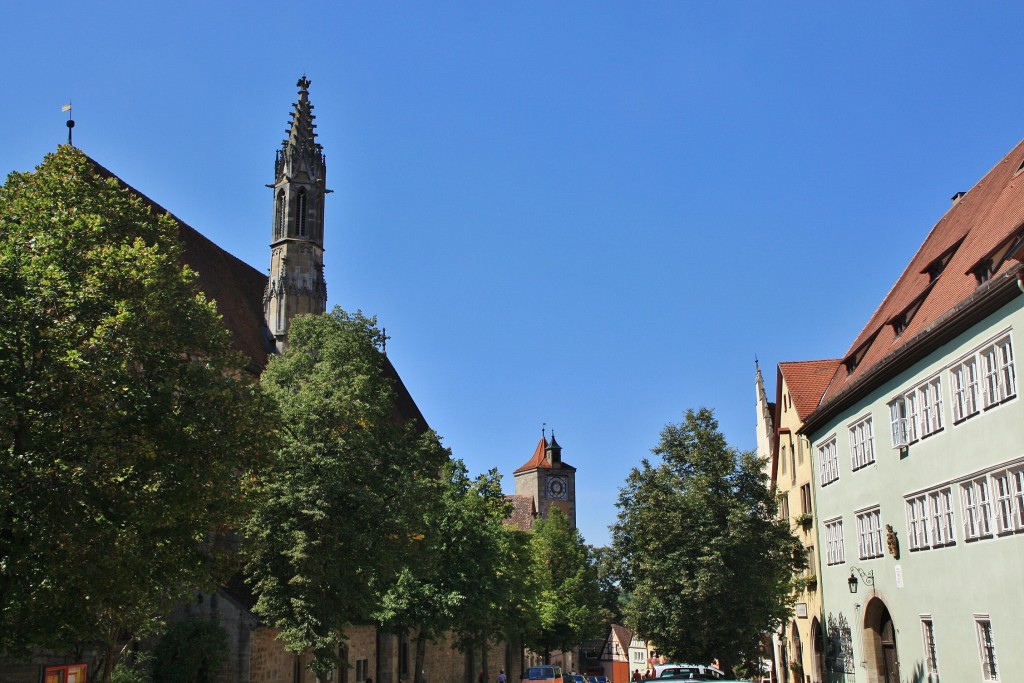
[362,669]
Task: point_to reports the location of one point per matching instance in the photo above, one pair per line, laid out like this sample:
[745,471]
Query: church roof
[539,459]
[939,291]
[237,288]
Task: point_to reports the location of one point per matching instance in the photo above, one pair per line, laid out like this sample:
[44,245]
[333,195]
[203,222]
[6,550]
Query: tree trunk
[108,664]
[483,657]
[421,655]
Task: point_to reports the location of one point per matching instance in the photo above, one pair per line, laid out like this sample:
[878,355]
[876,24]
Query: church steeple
[296,284]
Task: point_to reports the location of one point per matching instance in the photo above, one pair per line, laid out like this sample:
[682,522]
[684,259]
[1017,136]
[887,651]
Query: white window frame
[828,461]
[965,386]
[976,506]
[862,443]
[835,551]
[931,659]
[916,413]
[943,528]
[986,648]
[998,372]
[918,519]
[929,395]
[869,533]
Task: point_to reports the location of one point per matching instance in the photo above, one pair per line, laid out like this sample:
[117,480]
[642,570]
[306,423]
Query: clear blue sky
[586,214]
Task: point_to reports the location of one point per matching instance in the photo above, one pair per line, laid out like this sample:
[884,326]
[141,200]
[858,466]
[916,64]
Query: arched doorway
[880,644]
[797,656]
[818,650]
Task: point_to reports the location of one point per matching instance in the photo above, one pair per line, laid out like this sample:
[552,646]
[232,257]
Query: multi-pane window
[931,662]
[805,499]
[986,648]
[828,462]
[1000,381]
[784,506]
[917,413]
[976,505]
[929,395]
[917,522]
[834,550]
[940,506]
[964,377]
[869,534]
[862,443]
[1002,487]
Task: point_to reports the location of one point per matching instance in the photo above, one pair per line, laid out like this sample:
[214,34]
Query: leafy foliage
[468,579]
[568,596]
[192,651]
[343,507]
[709,568]
[127,428]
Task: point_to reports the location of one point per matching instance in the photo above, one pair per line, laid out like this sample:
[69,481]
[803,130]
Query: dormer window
[899,324]
[983,272]
[937,265]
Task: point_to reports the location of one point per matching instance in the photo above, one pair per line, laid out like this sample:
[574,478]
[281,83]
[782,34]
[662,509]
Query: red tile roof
[807,382]
[237,288]
[539,459]
[523,514]
[981,225]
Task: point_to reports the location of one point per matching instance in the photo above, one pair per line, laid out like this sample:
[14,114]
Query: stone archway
[880,651]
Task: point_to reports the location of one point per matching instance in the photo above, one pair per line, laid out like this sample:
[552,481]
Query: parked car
[688,672]
[545,674]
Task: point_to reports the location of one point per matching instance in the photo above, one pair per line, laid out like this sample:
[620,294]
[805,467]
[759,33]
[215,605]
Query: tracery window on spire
[279,215]
[300,213]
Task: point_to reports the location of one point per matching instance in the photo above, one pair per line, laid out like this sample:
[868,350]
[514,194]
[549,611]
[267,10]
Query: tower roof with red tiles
[540,460]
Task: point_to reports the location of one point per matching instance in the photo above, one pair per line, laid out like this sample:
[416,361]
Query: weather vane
[71,122]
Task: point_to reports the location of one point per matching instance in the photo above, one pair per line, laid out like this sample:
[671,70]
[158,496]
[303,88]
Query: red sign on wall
[72,673]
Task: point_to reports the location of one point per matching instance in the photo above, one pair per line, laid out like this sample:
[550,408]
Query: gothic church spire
[296,284]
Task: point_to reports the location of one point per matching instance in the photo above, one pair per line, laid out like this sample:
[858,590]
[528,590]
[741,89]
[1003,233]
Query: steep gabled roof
[807,382]
[940,280]
[539,459]
[237,288]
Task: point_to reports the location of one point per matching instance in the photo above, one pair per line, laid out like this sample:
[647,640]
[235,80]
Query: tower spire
[296,284]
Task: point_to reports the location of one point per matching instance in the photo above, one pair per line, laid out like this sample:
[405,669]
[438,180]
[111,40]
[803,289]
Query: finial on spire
[71,123]
[543,430]
[304,83]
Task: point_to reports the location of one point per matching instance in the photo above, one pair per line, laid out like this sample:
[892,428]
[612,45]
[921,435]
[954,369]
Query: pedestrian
[501,676]
[480,678]
[636,675]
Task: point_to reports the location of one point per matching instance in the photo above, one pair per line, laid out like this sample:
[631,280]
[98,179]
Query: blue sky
[590,215]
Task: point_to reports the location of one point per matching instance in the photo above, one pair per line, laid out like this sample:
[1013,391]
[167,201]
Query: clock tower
[548,480]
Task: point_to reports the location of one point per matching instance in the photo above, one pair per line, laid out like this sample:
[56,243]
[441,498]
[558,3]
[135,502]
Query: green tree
[568,596]
[128,430]
[709,567]
[467,577]
[192,651]
[343,504]
[607,582]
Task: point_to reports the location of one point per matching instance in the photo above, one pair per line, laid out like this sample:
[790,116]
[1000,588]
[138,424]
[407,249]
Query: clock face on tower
[558,488]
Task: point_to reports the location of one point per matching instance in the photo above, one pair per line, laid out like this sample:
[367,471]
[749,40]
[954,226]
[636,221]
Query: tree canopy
[471,576]
[709,568]
[343,505]
[128,430]
[569,600]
